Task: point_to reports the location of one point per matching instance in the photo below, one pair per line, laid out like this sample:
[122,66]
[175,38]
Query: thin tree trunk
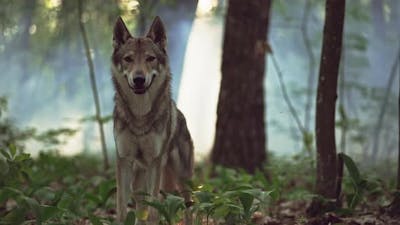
[326,101]
[382,112]
[240,128]
[342,109]
[398,134]
[286,97]
[24,42]
[311,76]
[93,85]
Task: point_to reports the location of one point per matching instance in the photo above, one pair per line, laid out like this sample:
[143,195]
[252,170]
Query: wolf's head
[139,63]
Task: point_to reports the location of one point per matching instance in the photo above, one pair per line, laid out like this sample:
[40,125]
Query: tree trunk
[326,101]
[240,129]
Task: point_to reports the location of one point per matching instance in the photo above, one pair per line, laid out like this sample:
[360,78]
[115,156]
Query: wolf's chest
[141,149]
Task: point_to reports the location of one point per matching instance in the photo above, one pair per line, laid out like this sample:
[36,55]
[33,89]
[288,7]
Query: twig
[286,95]
[93,85]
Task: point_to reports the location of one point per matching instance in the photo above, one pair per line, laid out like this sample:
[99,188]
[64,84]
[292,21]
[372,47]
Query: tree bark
[326,101]
[240,129]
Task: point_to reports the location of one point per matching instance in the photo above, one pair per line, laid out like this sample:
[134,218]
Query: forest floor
[294,213]
[54,189]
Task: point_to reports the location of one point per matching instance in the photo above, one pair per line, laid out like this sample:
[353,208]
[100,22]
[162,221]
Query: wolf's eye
[128,59]
[150,58]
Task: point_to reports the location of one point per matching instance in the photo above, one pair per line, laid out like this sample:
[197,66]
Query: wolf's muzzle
[139,84]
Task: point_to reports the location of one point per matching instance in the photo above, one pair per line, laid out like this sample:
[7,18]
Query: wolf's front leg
[124,174]
[146,186]
[140,194]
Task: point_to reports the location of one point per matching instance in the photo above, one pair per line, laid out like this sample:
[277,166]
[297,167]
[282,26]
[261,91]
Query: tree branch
[286,95]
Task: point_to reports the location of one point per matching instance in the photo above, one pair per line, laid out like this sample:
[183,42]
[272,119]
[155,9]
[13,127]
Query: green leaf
[16,216]
[44,194]
[354,199]
[130,218]
[22,157]
[13,150]
[9,192]
[30,202]
[106,189]
[93,198]
[95,220]
[4,167]
[351,167]
[47,212]
[5,154]
[247,201]
[204,196]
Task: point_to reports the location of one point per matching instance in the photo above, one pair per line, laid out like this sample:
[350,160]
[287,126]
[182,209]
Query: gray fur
[154,147]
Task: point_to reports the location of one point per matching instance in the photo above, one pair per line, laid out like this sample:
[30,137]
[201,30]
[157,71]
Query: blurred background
[45,78]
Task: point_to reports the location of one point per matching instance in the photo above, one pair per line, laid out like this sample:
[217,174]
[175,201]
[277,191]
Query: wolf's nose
[139,81]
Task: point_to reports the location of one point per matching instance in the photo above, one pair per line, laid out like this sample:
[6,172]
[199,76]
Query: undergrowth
[56,189]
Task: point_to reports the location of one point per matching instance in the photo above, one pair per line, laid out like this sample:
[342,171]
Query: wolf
[154,149]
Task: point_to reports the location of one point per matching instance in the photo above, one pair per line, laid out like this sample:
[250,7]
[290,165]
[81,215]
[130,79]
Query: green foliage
[14,137]
[51,189]
[230,196]
[130,218]
[52,137]
[54,189]
[3,105]
[93,118]
[358,187]
[170,209]
[284,177]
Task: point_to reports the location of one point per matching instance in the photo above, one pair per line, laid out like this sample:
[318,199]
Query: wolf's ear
[157,33]
[121,33]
